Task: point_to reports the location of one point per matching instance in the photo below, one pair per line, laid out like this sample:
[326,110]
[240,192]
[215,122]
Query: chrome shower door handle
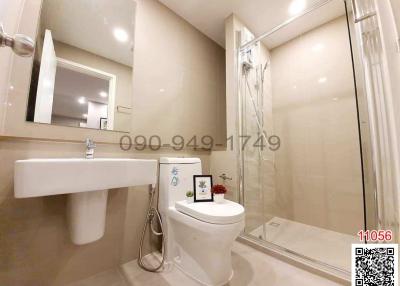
[359,18]
[20,44]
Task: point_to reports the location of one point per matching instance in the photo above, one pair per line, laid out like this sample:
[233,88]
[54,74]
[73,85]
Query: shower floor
[330,247]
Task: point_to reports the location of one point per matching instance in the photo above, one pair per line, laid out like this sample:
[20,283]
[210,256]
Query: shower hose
[152,214]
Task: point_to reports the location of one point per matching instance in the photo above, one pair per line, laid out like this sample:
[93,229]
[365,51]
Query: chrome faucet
[90,145]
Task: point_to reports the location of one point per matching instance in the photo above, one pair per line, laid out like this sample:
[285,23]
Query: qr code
[375,265]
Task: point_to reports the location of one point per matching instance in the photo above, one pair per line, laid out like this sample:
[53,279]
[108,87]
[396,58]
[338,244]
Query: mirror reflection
[82,70]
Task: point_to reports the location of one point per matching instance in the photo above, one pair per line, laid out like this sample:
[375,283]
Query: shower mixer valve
[224,177]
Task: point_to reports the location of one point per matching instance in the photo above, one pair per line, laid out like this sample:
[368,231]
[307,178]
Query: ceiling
[259,16]
[70,86]
[89,25]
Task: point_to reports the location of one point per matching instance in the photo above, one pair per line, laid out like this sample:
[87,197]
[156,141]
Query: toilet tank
[175,179]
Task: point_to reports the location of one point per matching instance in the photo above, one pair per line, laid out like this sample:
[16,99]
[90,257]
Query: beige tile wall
[225,161]
[179,77]
[318,165]
[395,5]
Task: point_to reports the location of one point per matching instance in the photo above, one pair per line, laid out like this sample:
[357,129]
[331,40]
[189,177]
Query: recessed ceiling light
[162,90]
[103,94]
[121,35]
[322,80]
[84,115]
[297,6]
[82,100]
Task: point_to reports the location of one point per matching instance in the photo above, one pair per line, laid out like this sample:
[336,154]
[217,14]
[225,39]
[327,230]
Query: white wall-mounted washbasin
[86,181]
[46,177]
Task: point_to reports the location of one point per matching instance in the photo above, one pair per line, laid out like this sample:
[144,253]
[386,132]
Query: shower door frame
[263,245]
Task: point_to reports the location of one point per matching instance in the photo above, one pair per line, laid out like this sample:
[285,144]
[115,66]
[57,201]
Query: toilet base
[202,251]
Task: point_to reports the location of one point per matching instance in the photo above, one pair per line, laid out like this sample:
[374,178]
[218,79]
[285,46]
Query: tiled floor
[251,267]
[330,247]
[111,277]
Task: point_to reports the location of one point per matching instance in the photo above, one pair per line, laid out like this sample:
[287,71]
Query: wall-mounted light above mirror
[82,70]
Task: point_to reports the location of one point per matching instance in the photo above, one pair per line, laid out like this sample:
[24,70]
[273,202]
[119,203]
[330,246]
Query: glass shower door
[301,157]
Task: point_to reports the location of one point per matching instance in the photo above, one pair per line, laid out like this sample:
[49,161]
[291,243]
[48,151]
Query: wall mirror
[82,70]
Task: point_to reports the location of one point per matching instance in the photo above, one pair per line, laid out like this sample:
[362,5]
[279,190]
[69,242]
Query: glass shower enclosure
[301,168]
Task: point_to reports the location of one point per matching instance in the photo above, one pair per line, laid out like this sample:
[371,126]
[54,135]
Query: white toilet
[198,236]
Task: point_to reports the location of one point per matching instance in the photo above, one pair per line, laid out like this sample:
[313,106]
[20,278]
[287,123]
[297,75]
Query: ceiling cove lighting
[297,6]
[121,35]
[103,94]
[82,100]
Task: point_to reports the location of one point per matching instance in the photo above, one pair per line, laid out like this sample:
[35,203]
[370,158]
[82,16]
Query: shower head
[247,66]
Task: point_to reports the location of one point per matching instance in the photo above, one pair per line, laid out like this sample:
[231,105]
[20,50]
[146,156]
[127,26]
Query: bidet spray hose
[151,214]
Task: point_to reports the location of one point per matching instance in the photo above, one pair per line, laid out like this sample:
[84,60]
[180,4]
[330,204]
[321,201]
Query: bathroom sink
[45,177]
[86,183]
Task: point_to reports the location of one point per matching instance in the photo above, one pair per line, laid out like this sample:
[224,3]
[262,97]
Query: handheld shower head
[264,69]
[266,65]
[20,44]
[247,66]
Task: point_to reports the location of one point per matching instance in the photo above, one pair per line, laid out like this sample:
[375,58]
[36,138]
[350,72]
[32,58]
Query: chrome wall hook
[20,44]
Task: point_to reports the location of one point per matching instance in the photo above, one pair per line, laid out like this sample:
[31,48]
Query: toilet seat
[227,212]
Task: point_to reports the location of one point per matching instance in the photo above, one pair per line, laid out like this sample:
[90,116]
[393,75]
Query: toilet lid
[221,213]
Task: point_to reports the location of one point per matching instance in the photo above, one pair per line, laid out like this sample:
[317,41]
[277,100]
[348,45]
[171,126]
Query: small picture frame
[103,123]
[202,185]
